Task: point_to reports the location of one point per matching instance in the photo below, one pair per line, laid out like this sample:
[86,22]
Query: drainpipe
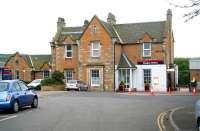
[114,65]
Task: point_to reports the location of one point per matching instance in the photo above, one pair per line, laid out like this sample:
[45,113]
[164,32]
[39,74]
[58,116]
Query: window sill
[68,58]
[146,56]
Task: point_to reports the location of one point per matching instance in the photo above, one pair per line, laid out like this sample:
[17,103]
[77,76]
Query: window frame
[149,49]
[147,76]
[44,74]
[68,51]
[17,74]
[71,75]
[22,86]
[92,50]
[98,78]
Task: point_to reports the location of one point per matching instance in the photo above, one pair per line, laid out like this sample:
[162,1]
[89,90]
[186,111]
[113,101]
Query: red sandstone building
[104,54]
[26,67]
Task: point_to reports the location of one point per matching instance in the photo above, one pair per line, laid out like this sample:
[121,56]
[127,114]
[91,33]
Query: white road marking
[7,117]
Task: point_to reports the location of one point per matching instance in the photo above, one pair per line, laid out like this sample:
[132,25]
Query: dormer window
[95,49]
[147,49]
[17,62]
[68,51]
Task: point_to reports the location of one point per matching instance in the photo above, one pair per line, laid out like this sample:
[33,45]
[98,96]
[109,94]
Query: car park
[35,84]
[76,85]
[197,114]
[14,94]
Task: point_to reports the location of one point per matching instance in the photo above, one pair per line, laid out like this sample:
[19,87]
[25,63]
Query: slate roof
[131,33]
[39,60]
[3,59]
[125,33]
[34,61]
[74,32]
[125,62]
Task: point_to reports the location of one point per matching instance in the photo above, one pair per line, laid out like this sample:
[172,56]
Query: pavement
[174,93]
[184,119]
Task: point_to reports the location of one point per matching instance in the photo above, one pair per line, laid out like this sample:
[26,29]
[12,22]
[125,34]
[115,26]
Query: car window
[72,81]
[3,86]
[36,81]
[16,87]
[23,86]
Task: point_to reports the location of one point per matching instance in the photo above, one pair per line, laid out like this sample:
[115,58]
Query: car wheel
[35,103]
[39,88]
[15,107]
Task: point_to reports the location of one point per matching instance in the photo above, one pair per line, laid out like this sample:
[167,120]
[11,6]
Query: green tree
[183,70]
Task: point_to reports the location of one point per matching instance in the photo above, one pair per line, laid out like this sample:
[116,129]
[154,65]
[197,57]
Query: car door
[17,93]
[27,96]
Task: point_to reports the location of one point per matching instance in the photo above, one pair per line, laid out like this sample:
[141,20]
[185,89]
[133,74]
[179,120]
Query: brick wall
[104,62]
[17,62]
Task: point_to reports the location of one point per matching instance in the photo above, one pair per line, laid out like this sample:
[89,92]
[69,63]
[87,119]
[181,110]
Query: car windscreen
[72,81]
[3,86]
[36,81]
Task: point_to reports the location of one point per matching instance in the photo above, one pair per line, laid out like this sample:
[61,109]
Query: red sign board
[150,62]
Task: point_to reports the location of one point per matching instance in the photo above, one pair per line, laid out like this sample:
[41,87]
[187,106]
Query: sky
[27,26]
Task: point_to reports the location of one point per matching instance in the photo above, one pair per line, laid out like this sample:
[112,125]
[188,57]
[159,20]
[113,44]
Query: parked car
[197,114]
[76,85]
[14,94]
[35,84]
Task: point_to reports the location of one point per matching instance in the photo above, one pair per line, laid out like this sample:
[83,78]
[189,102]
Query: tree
[183,70]
[193,6]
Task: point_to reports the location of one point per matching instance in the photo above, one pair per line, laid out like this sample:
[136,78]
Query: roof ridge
[141,22]
[73,27]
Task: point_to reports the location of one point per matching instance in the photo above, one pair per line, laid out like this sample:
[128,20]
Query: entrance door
[147,79]
[124,76]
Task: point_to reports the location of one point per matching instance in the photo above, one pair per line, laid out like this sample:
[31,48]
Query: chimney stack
[111,19]
[86,22]
[60,23]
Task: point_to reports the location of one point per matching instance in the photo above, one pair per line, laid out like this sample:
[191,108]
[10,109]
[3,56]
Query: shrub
[58,76]
[56,79]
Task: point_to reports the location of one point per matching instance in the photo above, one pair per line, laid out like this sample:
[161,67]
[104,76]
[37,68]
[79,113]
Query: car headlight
[8,97]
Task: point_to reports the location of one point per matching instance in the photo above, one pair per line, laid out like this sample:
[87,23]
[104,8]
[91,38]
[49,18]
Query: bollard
[151,92]
[169,92]
[194,92]
[129,91]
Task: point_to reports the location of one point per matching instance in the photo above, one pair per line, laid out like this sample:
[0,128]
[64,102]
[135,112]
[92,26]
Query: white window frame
[147,75]
[98,80]
[44,75]
[98,49]
[70,75]
[68,51]
[149,55]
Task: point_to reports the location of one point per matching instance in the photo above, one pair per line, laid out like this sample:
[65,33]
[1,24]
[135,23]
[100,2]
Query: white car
[197,114]
[35,84]
[76,85]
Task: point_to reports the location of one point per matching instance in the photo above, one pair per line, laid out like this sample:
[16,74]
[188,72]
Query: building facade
[194,65]
[105,54]
[27,67]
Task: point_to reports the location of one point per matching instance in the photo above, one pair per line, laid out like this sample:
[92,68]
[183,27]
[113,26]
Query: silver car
[76,85]
[197,114]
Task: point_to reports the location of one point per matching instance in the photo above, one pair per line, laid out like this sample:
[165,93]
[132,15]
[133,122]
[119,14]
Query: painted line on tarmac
[7,117]
[176,128]
[160,121]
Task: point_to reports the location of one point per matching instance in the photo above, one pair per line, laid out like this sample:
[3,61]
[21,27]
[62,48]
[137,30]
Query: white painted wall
[159,78]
